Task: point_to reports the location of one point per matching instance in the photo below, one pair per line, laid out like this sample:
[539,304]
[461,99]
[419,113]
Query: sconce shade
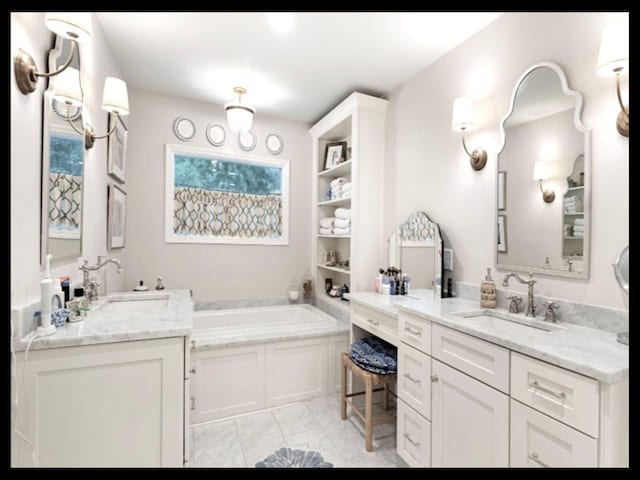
[71,25]
[462,114]
[613,58]
[66,87]
[540,171]
[114,97]
[239,116]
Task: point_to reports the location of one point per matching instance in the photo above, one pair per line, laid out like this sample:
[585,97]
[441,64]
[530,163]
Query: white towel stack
[342,223]
[579,221]
[326,225]
[578,231]
[340,188]
[573,205]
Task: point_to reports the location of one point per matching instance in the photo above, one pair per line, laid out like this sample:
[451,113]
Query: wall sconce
[463,120]
[540,173]
[613,60]
[72,25]
[239,115]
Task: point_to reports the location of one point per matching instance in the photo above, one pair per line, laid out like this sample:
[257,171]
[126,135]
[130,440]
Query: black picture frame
[334,154]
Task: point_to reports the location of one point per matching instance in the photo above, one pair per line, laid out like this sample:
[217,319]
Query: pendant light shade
[239,114]
[71,25]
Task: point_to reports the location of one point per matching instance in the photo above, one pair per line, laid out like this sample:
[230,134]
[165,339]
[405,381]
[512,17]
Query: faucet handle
[514,306]
[550,312]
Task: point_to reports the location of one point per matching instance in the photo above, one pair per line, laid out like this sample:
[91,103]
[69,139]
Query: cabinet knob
[434,378]
[193,370]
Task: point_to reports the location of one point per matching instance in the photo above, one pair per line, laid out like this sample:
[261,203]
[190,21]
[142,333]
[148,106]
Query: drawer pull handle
[434,378]
[193,403]
[411,441]
[193,370]
[417,333]
[537,386]
[534,456]
[373,322]
[414,380]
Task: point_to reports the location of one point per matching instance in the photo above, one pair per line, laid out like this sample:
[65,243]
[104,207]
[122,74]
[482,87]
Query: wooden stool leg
[343,394]
[368,414]
[385,399]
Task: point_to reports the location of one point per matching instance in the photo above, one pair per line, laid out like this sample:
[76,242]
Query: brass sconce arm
[478,157]
[27,74]
[623,107]
[547,195]
[90,136]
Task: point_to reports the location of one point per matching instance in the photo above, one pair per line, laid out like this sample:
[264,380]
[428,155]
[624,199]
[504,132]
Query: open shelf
[337,171]
[336,269]
[334,301]
[576,213]
[334,236]
[573,238]
[335,203]
[580,187]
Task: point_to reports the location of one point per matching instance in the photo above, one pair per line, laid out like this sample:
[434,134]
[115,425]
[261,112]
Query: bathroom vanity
[107,391]
[475,390]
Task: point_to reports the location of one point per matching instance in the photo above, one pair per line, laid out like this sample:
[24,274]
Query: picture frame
[117,148]
[116,217]
[447,259]
[335,153]
[502,233]
[502,190]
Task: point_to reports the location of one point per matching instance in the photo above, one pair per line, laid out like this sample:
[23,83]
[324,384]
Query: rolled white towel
[342,231]
[579,221]
[339,181]
[327,222]
[343,213]
[346,187]
[326,231]
[342,223]
[576,228]
[578,234]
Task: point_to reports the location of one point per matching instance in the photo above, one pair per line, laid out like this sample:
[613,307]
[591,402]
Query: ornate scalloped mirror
[545,148]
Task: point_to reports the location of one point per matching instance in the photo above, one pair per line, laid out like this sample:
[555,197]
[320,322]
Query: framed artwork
[335,154]
[117,201]
[502,233]
[117,148]
[502,190]
[213,197]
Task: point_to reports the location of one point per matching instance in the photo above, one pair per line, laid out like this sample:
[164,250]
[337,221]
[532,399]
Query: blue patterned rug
[287,458]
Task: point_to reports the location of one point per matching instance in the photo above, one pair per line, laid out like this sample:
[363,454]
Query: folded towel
[326,231]
[342,223]
[327,222]
[339,181]
[346,187]
[578,234]
[342,231]
[343,213]
[579,221]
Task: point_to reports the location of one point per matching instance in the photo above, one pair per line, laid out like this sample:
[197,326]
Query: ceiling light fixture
[239,114]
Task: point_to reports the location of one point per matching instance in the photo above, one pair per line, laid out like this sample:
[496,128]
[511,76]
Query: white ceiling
[301,74]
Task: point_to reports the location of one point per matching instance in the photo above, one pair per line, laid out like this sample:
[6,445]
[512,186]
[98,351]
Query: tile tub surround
[108,327]
[331,309]
[594,316]
[226,304]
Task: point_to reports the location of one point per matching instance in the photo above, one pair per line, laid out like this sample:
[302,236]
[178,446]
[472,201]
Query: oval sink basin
[498,318]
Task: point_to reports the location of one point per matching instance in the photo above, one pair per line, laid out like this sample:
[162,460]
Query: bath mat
[287,458]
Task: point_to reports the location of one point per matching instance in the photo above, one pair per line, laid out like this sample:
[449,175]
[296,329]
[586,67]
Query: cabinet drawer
[415,332]
[414,379]
[485,361]
[540,441]
[570,397]
[413,437]
[376,321]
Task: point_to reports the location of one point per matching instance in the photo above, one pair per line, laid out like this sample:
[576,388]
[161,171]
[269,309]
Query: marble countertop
[104,326]
[387,304]
[591,352]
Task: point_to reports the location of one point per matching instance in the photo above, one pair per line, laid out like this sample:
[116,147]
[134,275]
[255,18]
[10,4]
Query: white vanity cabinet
[106,405]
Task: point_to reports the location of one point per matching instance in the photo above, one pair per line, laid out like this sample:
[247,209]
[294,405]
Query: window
[221,198]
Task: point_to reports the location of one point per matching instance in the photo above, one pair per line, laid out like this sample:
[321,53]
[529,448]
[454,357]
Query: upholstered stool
[370,381]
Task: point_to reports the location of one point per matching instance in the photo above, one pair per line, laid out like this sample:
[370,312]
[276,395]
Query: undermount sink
[135,304]
[506,319]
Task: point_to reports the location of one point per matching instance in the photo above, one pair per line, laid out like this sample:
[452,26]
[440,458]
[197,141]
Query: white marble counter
[173,320]
[387,304]
[591,352]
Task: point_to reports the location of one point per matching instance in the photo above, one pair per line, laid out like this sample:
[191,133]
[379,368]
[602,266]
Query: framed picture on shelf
[117,148]
[335,154]
[502,190]
[117,201]
[447,259]
[502,233]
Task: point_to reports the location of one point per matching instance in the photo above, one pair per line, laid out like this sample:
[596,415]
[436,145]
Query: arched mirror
[415,247]
[62,169]
[544,178]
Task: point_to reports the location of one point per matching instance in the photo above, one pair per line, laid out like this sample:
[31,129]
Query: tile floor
[310,425]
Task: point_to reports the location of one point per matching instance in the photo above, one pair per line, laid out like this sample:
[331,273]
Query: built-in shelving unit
[338,202]
[572,246]
[338,171]
[335,269]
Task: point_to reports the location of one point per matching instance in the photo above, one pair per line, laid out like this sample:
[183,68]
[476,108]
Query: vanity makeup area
[486,387]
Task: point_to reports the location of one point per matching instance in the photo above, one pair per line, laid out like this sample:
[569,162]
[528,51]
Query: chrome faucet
[531,307]
[90,286]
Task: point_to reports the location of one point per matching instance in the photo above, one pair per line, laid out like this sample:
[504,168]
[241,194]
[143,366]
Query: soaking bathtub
[248,359]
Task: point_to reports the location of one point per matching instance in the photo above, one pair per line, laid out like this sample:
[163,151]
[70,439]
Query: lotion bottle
[488,293]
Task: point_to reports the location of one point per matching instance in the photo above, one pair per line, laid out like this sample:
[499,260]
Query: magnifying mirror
[621,269]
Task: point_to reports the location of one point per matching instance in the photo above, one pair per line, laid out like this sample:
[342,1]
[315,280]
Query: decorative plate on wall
[274,144]
[184,128]
[247,141]
[216,134]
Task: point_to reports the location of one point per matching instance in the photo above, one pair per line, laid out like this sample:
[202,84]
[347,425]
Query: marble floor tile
[215,431]
[260,447]
[257,424]
[295,419]
[224,452]
[316,440]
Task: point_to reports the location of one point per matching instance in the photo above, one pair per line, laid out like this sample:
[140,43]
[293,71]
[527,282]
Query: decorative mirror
[274,144]
[621,269]
[543,210]
[416,248]
[62,170]
[184,129]
[247,141]
[216,134]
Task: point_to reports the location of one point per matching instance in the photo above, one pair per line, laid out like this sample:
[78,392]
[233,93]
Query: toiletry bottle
[46,290]
[392,286]
[386,285]
[405,284]
[488,291]
[449,288]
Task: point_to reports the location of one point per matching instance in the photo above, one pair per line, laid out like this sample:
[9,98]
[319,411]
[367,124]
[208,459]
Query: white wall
[427,168]
[212,271]
[29,33]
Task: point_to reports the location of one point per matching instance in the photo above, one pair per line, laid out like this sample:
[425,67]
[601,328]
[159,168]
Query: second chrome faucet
[531,306]
[90,286]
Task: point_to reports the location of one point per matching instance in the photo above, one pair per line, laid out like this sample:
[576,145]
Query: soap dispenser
[46,294]
[488,292]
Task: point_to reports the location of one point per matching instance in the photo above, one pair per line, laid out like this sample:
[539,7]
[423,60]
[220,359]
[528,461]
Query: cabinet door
[337,344]
[413,438]
[540,441]
[470,421]
[109,405]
